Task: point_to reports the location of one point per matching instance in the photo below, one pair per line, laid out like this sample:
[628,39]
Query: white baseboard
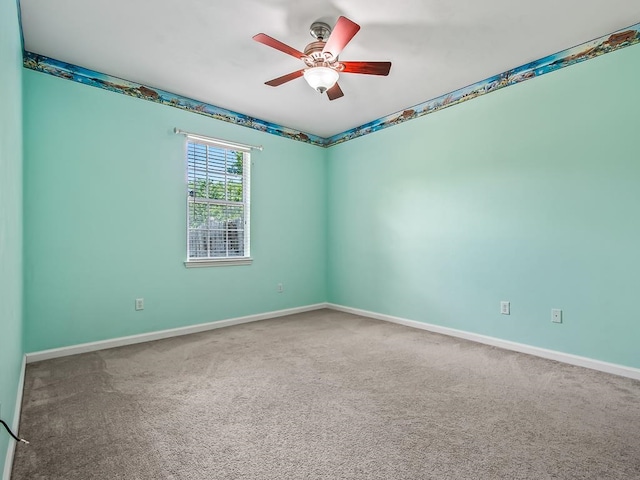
[8,463]
[174,332]
[586,362]
[579,361]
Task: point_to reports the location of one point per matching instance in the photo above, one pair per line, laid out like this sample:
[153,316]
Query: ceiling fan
[321,57]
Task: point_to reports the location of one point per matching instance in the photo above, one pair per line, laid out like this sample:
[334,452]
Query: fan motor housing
[314,49]
[316,58]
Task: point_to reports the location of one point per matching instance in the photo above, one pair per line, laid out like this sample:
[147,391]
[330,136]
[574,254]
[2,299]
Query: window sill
[218,262]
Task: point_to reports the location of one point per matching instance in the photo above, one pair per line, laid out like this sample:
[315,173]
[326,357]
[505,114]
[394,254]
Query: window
[217,204]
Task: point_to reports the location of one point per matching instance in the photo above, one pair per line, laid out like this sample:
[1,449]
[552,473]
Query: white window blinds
[217,201]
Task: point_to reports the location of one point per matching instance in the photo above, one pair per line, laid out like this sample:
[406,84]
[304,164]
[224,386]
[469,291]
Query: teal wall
[10,215]
[105,219]
[530,194]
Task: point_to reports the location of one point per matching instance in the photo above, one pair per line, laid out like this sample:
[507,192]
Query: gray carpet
[324,395]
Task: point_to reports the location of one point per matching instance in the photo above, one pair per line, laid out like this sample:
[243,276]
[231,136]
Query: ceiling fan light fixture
[321,78]
[322,67]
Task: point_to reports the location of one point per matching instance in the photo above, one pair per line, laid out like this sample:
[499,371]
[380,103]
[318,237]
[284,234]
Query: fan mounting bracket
[320,30]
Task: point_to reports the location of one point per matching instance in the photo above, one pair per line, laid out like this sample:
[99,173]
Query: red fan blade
[285,78]
[278,45]
[367,68]
[342,34]
[335,92]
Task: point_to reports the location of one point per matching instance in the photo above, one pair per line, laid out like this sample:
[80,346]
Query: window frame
[245,259]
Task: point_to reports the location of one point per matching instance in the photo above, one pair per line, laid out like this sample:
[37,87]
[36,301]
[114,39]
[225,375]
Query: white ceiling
[203,49]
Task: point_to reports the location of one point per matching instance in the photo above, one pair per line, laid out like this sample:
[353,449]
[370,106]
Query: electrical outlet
[139,303]
[556,315]
[505,308]
[280,288]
